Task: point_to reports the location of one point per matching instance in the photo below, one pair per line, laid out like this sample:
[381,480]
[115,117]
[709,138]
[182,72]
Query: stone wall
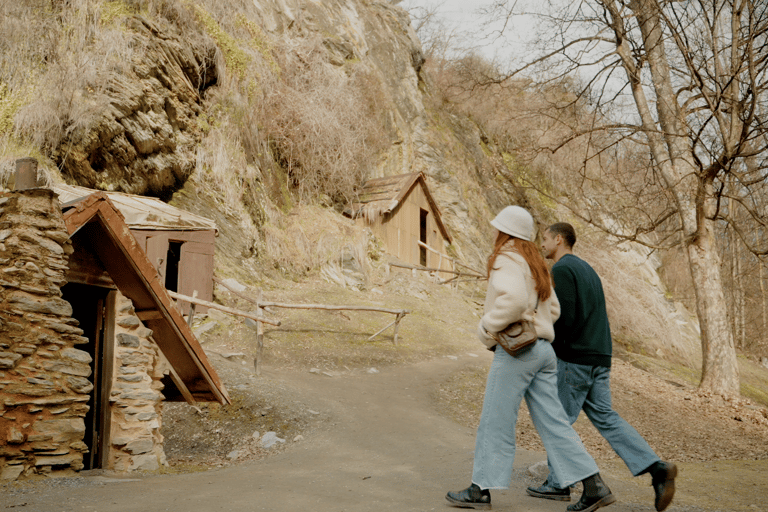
[44,378]
[44,382]
[136,400]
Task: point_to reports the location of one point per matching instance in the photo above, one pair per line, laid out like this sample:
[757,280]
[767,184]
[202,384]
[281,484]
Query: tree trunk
[733,295]
[720,371]
[741,305]
[764,301]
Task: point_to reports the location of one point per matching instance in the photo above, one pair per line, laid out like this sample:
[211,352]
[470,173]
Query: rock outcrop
[144,142]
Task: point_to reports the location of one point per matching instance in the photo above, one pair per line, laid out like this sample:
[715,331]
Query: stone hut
[90,341]
[401,212]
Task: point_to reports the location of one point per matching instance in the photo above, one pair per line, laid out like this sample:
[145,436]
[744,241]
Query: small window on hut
[423,236]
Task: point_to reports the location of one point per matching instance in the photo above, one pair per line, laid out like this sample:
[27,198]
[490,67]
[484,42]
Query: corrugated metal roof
[380,196]
[104,230]
[140,212]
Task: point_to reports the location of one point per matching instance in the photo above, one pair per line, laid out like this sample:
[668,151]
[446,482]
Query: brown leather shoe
[663,480]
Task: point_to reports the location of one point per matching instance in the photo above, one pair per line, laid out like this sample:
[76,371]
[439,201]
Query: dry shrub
[68,72]
[172,13]
[28,40]
[320,124]
[310,237]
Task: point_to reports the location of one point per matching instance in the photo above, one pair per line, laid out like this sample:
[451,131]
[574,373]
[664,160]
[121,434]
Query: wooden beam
[259,339]
[234,292]
[181,386]
[446,256]
[191,316]
[149,314]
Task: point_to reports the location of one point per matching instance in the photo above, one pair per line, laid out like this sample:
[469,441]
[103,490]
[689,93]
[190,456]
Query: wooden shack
[91,342]
[401,212]
[179,243]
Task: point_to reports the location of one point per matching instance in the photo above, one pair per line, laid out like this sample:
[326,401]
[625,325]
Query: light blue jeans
[588,388]
[533,376]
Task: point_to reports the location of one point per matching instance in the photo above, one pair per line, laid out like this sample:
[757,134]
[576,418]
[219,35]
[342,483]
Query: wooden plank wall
[195,265]
[400,231]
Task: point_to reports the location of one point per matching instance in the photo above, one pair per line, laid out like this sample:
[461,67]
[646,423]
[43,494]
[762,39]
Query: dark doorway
[92,307]
[423,236]
[172,266]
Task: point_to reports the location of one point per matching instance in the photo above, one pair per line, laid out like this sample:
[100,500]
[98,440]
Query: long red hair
[530,253]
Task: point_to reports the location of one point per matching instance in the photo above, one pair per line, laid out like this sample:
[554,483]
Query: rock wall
[146,138]
[44,382]
[136,398]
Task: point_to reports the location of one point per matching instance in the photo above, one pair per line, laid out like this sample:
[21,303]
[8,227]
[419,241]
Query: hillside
[268,117]
[264,114]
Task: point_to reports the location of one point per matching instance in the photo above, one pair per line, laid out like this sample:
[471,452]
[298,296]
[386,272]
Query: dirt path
[384,448]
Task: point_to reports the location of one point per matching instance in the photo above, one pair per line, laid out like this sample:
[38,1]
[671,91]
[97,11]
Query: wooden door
[157,252]
[196,271]
[93,307]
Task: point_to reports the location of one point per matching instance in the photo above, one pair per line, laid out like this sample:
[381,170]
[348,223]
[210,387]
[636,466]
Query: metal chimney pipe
[27,176]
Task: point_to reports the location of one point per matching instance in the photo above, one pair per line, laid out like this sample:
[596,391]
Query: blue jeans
[588,388]
[533,376]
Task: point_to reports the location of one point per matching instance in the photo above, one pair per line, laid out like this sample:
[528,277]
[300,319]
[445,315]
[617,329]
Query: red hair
[530,253]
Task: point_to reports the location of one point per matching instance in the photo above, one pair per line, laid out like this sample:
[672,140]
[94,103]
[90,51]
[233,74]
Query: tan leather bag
[518,336]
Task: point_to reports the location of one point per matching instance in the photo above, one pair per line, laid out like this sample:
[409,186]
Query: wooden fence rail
[429,269]
[454,262]
[261,304]
[231,311]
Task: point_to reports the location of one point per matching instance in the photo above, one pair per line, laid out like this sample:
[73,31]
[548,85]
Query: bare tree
[440,40]
[685,82]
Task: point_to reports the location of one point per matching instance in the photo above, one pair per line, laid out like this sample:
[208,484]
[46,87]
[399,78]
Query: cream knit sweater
[511,297]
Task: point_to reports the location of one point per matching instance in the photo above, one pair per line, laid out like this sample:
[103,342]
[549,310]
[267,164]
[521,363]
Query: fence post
[397,326]
[259,336]
[191,309]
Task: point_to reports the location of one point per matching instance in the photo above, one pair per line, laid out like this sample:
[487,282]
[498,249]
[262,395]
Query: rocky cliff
[245,112]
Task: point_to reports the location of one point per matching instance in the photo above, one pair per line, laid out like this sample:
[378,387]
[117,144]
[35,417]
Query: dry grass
[310,237]
[61,81]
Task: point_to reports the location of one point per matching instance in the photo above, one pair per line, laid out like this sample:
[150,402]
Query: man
[583,347]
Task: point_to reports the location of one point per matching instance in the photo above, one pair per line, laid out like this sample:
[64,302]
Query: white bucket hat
[515,221]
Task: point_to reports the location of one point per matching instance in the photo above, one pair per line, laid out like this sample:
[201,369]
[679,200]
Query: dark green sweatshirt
[582,333]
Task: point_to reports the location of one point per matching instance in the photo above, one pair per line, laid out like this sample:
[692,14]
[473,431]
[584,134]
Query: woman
[520,287]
